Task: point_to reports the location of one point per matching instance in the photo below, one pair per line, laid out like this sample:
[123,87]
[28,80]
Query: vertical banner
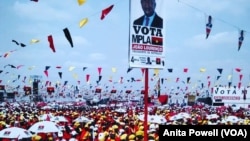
[147,31]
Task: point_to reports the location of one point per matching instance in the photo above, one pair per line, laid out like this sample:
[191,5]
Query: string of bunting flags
[106,11]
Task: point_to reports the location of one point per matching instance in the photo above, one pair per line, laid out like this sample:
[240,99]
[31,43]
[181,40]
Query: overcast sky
[104,43]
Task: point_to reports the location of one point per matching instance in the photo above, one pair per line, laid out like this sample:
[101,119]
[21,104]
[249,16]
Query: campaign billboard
[232,96]
[147,33]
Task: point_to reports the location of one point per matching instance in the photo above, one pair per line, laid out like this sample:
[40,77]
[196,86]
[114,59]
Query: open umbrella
[44,127]
[59,119]
[82,119]
[212,116]
[184,115]
[120,110]
[159,119]
[233,119]
[15,133]
[175,117]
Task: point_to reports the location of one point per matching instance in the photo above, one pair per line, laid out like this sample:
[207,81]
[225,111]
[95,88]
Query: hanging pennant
[68,36]
[99,70]
[17,43]
[60,74]
[46,73]
[81,2]
[106,11]
[99,79]
[142,71]
[65,83]
[241,38]
[185,70]
[46,70]
[83,22]
[84,68]
[71,68]
[220,70]
[129,69]
[209,26]
[121,80]
[170,70]
[87,78]
[51,43]
[34,41]
[113,69]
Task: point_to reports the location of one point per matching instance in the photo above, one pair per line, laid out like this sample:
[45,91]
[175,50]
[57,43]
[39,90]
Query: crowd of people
[112,122]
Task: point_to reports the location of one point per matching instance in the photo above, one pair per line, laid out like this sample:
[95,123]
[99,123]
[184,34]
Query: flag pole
[146,106]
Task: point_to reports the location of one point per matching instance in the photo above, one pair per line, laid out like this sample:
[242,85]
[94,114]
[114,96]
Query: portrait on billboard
[150,17]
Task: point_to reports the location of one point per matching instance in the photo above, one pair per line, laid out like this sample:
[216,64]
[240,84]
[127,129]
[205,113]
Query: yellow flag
[71,68]
[34,41]
[202,69]
[30,68]
[114,70]
[156,72]
[83,22]
[81,2]
[75,76]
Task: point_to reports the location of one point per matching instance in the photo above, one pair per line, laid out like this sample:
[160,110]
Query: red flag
[19,66]
[241,77]
[177,79]
[142,71]
[5,55]
[157,40]
[106,11]
[237,69]
[99,70]
[185,69]
[51,44]
[239,85]
[46,73]
[87,77]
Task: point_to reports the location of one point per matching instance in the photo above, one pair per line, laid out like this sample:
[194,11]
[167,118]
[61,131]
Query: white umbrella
[59,119]
[153,118]
[157,119]
[82,119]
[175,117]
[44,127]
[212,116]
[120,110]
[233,119]
[184,115]
[15,133]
